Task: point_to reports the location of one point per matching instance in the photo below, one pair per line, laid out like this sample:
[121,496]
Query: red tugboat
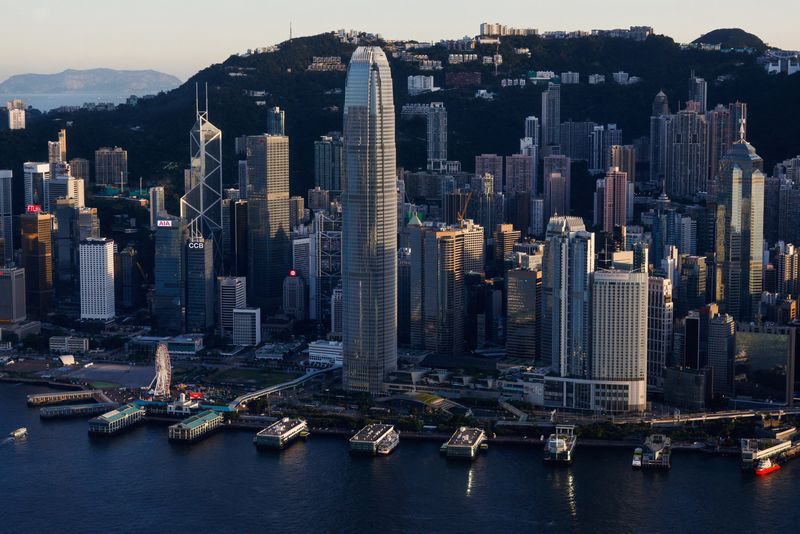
[766,466]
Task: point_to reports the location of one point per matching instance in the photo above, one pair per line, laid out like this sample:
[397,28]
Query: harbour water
[61,479]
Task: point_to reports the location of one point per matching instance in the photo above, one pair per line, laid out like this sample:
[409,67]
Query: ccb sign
[196,244]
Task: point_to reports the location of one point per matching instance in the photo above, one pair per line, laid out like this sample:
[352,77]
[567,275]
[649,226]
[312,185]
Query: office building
[16,114]
[6,218]
[276,121]
[686,158]
[721,353]
[12,295]
[741,240]
[491,164]
[325,263]
[569,260]
[199,284]
[128,279]
[111,167]
[232,292]
[247,327]
[294,296]
[268,222]
[201,204]
[437,137]
[170,275]
[297,211]
[35,175]
[660,314]
[328,162]
[36,230]
[369,232]
[63,187]
[624,157]
[157,207]
[97,279]
[698,92]
[658,137]
[523,303]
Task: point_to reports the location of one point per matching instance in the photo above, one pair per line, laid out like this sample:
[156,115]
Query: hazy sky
[181,36]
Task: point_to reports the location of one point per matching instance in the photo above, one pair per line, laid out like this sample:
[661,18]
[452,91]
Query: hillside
[732,38]
[156,131]
[95,81]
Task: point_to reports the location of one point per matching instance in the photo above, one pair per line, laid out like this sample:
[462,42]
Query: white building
[63,187]
[97,279]
[69,345]
[595,79]
[247,327]
[156,205]
[570,78]
[35,174]
[232,294]
[660,310]
[619,329]
[621,77]
[323,353]
[16,114]
[420,84]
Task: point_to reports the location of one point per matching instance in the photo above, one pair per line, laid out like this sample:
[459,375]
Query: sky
[180,37]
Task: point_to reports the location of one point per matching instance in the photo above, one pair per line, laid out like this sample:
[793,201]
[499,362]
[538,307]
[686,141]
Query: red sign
[292,273]
[33,208]
[195,394]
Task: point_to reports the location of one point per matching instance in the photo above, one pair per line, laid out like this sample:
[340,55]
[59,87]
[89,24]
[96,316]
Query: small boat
[19,433]
[304,434]
[637,458]
[484,446]
[766,466]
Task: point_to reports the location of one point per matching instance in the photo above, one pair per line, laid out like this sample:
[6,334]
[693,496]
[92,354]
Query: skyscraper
[232,292]
[111,167]
[698,92]
[369,233]
[170,273]
[16,114]
[532,129]
[523,304]
[721,352]
[551,118]
[156,205]
[328,162]
[276,121]
[686,154]
[6,218]
[619,329]
[658,137]
[492,164]
[79,168]
[437,136]
[201,204]
[660,313]
[325,263]
[35,175]
[12,295]
[37,259]
[615,207]
[742,240]
[97,279]
[199,284]
[556,185]
[267,219]
[568,263]
[520,174]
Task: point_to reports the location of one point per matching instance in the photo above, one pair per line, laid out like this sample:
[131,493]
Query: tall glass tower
[369,231]
[201,204]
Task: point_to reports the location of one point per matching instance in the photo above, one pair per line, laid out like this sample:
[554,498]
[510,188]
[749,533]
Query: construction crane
[463,211]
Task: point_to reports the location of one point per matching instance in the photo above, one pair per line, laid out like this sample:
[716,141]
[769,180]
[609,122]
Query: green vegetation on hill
[732,38]
[156,131]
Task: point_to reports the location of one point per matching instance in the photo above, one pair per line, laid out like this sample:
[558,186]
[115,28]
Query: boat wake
[6,440]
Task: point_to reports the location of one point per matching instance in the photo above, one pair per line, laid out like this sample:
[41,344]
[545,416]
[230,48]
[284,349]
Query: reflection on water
[563,481]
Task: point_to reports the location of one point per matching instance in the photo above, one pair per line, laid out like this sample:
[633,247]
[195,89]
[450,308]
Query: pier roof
[372,432]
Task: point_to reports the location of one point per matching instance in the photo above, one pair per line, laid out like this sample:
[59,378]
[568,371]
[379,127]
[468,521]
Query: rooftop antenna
[290,30]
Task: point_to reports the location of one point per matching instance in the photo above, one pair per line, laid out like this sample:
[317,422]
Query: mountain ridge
[97,80]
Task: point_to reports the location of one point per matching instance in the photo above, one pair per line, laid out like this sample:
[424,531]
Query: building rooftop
[465,437]
[281,426]
[119,413]
[198,419]
[373,432]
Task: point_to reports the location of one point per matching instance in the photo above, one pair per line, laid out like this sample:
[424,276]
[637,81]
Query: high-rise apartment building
[437,136]
[79,168]
[520,174]
[698,92]
[111,167]
[556,186]
[369,233]
[686,158]
[615,207]
[551,118]
[491,164]
[532,129]
[328,162]
[97,279]
[268,222]
[16,114]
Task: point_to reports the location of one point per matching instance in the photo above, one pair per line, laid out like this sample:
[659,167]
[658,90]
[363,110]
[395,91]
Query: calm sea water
[60,480]
[46,102]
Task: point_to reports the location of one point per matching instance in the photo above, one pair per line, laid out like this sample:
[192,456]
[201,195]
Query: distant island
[732,38]
[92,81]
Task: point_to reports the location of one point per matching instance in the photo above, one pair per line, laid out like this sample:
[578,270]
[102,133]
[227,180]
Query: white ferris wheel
[163,377]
